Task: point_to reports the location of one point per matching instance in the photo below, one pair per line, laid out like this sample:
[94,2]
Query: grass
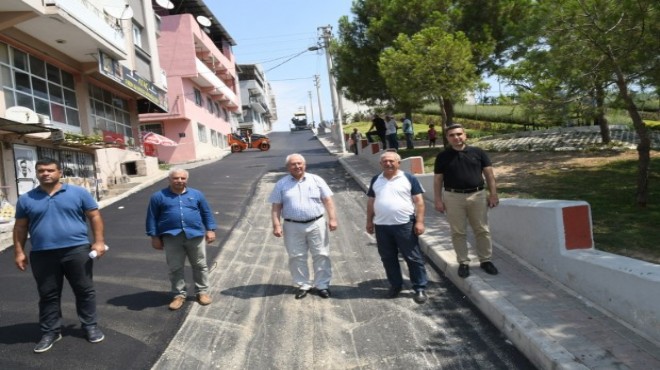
[619,226]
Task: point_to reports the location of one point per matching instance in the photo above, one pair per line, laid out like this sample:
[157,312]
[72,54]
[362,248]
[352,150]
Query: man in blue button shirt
[180,221]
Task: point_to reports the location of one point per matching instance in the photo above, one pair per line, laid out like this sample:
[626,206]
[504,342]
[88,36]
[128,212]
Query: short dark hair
[454,126]
[48,161]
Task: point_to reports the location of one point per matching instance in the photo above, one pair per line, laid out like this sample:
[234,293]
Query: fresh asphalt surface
[355,328]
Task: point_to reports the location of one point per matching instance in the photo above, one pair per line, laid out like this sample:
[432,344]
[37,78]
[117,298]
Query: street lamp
[311,48]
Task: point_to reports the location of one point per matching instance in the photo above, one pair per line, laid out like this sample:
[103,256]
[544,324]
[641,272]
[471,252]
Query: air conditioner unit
[44,119]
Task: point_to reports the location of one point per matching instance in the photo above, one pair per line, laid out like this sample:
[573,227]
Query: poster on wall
[25,158]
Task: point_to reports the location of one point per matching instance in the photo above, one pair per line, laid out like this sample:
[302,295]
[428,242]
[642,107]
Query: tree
[438,66]
[374,27]
[621,40]
[492,27]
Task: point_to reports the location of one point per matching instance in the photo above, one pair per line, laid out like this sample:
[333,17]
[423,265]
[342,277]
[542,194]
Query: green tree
[593,43]
[492,26]
[438,66]
[374,27]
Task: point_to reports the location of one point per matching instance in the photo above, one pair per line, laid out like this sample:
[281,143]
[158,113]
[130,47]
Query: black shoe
[420,296]
[489,268]
[324,293]
[94,334]
[393,292]
[463,270]
[300,293]
[46,342]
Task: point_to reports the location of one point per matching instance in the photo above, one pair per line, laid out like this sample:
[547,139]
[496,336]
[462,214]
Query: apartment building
[75,75]
[196,54]
[259,110]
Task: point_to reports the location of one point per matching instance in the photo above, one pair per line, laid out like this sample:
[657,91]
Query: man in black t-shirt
[378,124]
[459,192]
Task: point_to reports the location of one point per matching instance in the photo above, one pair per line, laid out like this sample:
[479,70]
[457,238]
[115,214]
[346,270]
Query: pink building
[202,82]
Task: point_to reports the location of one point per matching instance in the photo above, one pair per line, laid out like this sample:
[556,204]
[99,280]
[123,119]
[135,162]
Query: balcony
[77,28]
[258,105]
[214,86]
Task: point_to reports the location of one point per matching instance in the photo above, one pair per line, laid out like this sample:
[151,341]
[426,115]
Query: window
[44,88]
[109,112]
[156,128]
[214,138]
[137,35]
[209,104]
[201,133]
[198,97]
[217,109]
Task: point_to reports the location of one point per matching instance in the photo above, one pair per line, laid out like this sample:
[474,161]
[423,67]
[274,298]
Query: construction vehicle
[256,141]
[299,121]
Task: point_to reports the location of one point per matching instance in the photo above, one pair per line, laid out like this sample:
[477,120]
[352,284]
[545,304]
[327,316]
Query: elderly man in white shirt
[300,199]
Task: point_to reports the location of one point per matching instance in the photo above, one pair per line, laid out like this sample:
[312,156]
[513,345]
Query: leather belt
[303,222]
[465,191]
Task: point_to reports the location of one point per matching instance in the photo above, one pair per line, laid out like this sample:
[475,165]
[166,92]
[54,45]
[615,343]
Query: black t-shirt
[379,124]
[462,169]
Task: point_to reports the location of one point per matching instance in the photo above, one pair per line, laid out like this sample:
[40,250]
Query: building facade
[259,109]
[203,100]
[75,75]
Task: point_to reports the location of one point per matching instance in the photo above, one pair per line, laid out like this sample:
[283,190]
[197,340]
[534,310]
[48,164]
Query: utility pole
[311,107]
[317,83]
[326,33]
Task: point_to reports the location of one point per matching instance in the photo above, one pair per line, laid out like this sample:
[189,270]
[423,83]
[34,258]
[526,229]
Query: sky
[269,33]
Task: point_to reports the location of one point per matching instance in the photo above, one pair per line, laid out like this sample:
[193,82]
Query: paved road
[254,322]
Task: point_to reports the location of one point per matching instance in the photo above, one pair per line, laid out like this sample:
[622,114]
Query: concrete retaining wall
[555,236]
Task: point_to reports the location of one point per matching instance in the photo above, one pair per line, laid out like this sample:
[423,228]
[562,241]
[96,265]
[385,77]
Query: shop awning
[23,128]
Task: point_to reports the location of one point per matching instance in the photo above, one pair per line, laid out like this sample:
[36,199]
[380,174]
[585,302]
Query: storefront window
[39,86]
[109,112]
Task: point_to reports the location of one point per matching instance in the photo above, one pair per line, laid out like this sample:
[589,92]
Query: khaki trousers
[472,208]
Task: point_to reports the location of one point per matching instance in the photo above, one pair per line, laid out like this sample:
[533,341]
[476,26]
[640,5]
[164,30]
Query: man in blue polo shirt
[395,212]
[55,215]
[180,221]
[459,191]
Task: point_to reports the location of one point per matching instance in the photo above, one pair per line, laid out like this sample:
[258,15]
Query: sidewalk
[550,324]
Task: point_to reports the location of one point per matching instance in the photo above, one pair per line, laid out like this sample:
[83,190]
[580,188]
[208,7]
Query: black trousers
[381,136]
[49,269]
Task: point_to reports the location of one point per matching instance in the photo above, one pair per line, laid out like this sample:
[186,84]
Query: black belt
[305,221]
[465,191]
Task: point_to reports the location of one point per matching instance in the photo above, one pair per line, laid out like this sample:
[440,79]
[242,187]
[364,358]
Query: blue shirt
[56,221]
[170,213]
[301,200]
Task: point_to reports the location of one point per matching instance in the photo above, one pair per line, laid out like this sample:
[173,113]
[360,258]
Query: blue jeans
[409,141]
[393,141]
[391,240]
[49,269]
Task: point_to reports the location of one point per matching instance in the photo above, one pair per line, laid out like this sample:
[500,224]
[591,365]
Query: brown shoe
[204,299]
[177,302]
